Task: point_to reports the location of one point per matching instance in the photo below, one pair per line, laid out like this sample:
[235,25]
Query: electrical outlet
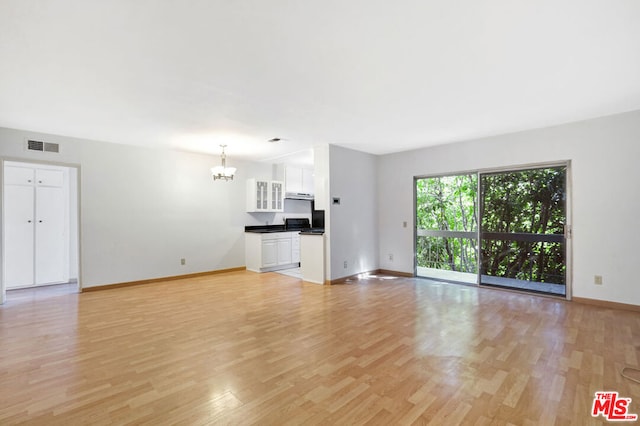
[183,261]
[391,257]
[597,279]
[404,224]
[345,264]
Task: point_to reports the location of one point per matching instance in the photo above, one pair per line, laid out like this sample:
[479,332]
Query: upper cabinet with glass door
[277,196]
[265,195]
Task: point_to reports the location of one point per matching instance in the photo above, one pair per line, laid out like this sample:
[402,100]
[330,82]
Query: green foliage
[531,202]
[447,203]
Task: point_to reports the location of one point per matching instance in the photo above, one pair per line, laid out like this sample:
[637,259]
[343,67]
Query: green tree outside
[447,203]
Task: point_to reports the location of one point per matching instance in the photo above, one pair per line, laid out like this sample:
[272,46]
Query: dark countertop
[265,229]
[312,232]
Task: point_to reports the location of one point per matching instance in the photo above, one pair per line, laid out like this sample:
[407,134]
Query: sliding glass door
[502,229]
[447,228]
[523,217]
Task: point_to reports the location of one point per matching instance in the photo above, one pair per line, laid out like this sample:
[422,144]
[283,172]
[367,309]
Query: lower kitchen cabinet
[271,251]
[269,254]
[284,250]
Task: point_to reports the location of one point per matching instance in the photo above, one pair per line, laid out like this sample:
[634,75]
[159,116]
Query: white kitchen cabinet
[36,226]
[293,179]
[271,251]
[308,186]
[284,250]
[277,196]
[298,180]
[265,195]
[257,195]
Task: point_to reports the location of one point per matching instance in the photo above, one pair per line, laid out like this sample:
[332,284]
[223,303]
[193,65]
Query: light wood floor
[245,348]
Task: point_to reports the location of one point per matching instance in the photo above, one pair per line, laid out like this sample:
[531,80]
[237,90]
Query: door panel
[523,215]
[51,251]
[50,177]
[269,253]
[284,251]
[277,196]
[446,228]
[19,235]
[18,175]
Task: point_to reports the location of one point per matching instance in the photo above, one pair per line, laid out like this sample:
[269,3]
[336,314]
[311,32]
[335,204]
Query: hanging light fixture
[222,171]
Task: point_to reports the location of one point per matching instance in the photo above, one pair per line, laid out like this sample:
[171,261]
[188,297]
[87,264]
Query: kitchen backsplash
[292,208]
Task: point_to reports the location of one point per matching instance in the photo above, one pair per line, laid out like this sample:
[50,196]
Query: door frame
[567,230]
[77,167]
[514,168]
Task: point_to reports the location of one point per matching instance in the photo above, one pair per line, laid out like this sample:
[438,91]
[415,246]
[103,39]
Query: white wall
[353,234]
[144,209]
[321,183]
[605,175]
[321,176]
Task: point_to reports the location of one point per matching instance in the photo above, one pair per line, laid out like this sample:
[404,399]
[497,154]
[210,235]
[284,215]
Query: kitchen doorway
[40,226]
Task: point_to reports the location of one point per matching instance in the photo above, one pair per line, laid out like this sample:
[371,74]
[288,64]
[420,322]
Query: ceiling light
[222,171]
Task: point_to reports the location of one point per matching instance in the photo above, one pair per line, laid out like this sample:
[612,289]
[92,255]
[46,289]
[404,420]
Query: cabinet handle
[39,221]
[39,181]
[29,221]
[28,180]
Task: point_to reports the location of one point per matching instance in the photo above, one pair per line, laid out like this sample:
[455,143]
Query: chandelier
[222,171]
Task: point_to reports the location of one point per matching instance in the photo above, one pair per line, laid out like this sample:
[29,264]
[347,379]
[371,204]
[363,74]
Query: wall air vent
[35,146]
[42,146]
[51,147]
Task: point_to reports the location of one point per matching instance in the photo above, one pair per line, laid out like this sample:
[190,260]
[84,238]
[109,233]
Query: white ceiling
[372,75]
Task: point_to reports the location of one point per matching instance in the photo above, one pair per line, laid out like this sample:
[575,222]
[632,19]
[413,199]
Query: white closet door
[36,225]
[19,235]
[51,255]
